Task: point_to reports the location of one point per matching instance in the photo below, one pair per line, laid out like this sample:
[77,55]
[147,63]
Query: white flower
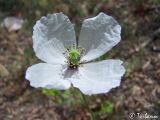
[63,67]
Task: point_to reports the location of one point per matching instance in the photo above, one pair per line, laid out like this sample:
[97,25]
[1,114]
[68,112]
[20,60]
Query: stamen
[73,55]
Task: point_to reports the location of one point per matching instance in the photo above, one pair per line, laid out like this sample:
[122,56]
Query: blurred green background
[139,91]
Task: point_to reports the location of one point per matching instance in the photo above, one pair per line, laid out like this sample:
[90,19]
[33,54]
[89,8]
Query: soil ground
[139,91]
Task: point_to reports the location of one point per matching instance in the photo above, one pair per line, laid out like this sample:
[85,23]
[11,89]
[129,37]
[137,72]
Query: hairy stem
[87,105]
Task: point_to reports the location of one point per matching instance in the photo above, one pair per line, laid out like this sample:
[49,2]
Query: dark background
[139,91]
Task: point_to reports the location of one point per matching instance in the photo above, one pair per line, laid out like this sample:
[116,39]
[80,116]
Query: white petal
[51,52]
[99,77]
[56,28]
[98,35]
[47,75]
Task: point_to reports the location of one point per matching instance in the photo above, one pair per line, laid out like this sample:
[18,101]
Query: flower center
[73,55]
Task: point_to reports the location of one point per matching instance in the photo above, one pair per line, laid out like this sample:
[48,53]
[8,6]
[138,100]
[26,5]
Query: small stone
[12,23]
[3,71]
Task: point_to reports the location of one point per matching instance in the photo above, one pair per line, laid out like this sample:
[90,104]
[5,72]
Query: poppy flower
[67,63]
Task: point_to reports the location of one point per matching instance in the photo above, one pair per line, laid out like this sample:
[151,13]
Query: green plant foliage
[28,53]
[66,97]
[60,97]
[156,1]
[106,107]
[50,92]
[53,92]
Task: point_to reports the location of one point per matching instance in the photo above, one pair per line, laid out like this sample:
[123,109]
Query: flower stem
[87,105]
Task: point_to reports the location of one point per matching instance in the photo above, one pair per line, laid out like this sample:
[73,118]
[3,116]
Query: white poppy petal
[98,35]
[55,29]
[98,77]
[51,52]
[47,75]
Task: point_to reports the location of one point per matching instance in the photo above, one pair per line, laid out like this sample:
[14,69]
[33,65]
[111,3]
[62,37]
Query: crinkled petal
[98,35]
[51,52]
[47,75]
[55,29]
[98,77]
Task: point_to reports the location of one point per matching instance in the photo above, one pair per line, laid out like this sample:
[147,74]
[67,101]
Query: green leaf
[49,92]
[28,53]
[106,107]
